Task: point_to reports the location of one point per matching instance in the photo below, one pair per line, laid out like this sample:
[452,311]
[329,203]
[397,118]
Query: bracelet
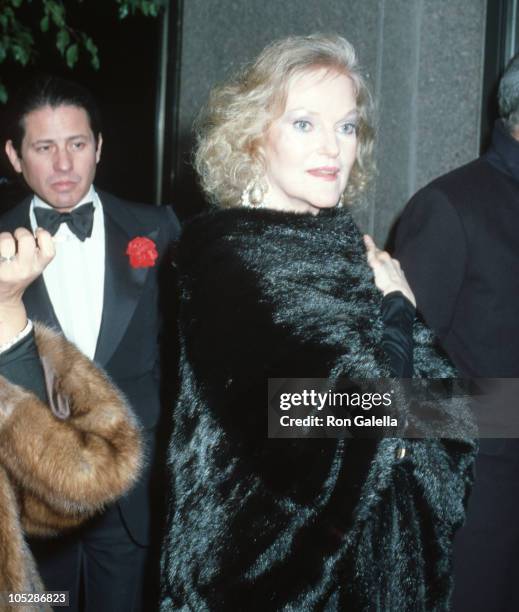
[19,336]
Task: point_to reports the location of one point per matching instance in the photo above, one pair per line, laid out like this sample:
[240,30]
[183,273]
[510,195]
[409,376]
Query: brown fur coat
[56,473]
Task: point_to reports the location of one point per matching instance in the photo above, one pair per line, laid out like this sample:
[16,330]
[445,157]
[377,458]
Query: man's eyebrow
[51,140]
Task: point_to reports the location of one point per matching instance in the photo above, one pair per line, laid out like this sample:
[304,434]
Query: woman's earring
[253,195]
[342,200]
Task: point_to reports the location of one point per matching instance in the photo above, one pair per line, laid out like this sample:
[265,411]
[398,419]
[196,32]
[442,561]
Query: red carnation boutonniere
[142,252]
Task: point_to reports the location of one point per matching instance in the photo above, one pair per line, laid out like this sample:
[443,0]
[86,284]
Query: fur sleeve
[68,467]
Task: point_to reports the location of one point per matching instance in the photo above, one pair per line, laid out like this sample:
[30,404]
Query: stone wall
[423,58]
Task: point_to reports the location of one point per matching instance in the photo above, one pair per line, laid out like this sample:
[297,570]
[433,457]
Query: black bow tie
[80,220]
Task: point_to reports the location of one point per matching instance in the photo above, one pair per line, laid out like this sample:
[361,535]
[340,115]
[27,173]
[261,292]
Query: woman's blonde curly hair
[239,113]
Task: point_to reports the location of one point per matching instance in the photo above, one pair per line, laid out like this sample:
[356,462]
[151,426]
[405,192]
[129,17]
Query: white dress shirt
[75,277]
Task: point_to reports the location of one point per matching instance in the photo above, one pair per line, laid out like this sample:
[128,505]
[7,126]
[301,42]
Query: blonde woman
[277,285]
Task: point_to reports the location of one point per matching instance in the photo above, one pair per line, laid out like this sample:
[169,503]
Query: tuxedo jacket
[128,342]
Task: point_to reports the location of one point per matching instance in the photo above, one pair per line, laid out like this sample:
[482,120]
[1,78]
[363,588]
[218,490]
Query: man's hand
[388,273]
[23,258]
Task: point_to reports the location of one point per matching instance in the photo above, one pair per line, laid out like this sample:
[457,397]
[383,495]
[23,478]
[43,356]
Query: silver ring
[6,259]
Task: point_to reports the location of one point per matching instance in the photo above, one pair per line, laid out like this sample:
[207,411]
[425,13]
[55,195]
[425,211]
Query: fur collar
[301,277]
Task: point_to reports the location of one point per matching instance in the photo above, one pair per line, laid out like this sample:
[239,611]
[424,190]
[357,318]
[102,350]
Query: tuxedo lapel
[123,284]
[36,298]
[38,304]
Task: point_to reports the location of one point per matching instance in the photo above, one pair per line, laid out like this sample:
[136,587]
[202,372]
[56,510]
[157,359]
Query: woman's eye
[302,125]
[348,128]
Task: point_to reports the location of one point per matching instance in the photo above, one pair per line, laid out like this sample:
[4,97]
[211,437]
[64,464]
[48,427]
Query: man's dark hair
[49,91]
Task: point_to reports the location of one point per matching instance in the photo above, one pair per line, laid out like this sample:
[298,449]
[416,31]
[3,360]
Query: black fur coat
[300,525]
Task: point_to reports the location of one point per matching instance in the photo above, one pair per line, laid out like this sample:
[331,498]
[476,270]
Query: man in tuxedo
[458,244]
[102,291]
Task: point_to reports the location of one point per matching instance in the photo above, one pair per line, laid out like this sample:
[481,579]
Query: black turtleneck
[503,152]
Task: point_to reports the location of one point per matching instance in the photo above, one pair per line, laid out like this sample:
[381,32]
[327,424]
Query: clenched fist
[23,257]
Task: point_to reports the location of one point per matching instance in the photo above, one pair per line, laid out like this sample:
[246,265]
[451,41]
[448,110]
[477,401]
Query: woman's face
[309,151]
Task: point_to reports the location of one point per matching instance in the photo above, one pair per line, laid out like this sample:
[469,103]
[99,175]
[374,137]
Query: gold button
[400,452]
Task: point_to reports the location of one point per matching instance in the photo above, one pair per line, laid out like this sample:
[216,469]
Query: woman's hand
[23,258]
[388,273]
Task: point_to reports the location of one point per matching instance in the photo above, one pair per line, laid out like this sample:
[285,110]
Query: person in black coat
[102,290]
[274,283]
[457,242]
